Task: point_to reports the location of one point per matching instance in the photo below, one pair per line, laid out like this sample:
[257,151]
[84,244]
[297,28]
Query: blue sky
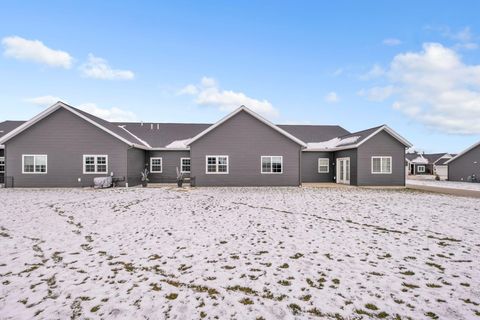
[414,65]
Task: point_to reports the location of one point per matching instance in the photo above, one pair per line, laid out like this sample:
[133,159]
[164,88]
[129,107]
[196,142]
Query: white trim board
[256,116]
[463,152]
[385,128]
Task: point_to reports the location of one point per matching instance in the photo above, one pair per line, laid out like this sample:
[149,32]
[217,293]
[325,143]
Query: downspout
[300,168]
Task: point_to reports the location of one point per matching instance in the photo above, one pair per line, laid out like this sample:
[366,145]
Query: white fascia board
[461,153]
[169,149]
[255,115]
[354,146]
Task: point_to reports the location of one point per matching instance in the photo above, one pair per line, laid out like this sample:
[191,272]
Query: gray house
[66,147]
[465,166]
[428,164]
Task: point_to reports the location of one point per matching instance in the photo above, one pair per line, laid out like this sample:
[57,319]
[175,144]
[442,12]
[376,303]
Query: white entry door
[343,170]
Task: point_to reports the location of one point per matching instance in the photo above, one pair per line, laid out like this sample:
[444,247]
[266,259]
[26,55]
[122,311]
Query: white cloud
[208,93]
[377,93]
[109,114]
[44,101]
[99,68]
[435,87]
[392,42]
[34,50]
[464,39]
[375,72]
[338,72]
[332,97]
[112,114]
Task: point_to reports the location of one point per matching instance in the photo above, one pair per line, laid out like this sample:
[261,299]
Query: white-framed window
[156,165]
[421,169]
[185,165]
[216,164]
[2,164]
[95,163]
[323,165]
[381,165]
[271,164]
[34,163]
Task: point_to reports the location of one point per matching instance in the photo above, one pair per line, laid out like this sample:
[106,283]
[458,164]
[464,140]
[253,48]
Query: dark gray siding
[310,167]
[464,166]
[170,161]
[352,154]
[135,165]
[65,138]
[245,139]
[382,144]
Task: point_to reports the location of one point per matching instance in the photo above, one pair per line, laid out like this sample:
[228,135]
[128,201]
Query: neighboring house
[465,165]
[428,164]
[66,147]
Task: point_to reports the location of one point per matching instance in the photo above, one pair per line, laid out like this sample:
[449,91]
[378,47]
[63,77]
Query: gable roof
[253,114]
[311,133]
[160,135]
[463,152]
[104,125]
[355,140]
[7,126]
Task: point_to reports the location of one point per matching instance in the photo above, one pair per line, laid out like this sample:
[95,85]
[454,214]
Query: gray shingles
[7,126]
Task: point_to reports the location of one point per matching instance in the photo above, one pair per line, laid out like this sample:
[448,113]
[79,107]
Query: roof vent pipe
[151,126]
[158,126]
[141,123]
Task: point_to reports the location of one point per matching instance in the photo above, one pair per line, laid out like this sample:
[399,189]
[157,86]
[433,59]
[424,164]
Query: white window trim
[328,165]
[181,165]
[216,164]
[34,163]
[95,163]
[2,159]
[381,160]
[161,164]
[271,168]
[423,169]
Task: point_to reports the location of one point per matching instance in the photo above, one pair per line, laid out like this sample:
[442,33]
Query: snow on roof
[420,159]
[178,144]
[332,143]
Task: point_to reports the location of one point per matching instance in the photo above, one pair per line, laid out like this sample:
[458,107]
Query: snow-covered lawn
[238,253]
[446,184]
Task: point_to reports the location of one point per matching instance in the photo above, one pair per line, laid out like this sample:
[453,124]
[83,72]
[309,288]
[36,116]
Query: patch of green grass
[431,315]
[246,301]
[336,281]
[95,309]
[306,297]
[172,296]
[435,265]
[316,312]
[410,285]
[295,308]
[408,273]
[378,274]
[371,306]
[465,284]
[433,285]
[245,290]
[382,315]
[284,282]
[155,287]
[284,266]
[228,267]
[297,255]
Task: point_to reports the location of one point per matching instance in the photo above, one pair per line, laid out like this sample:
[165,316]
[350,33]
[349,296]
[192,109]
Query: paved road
[456,192]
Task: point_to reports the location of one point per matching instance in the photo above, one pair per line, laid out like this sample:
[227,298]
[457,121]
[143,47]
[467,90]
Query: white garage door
[442,171]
